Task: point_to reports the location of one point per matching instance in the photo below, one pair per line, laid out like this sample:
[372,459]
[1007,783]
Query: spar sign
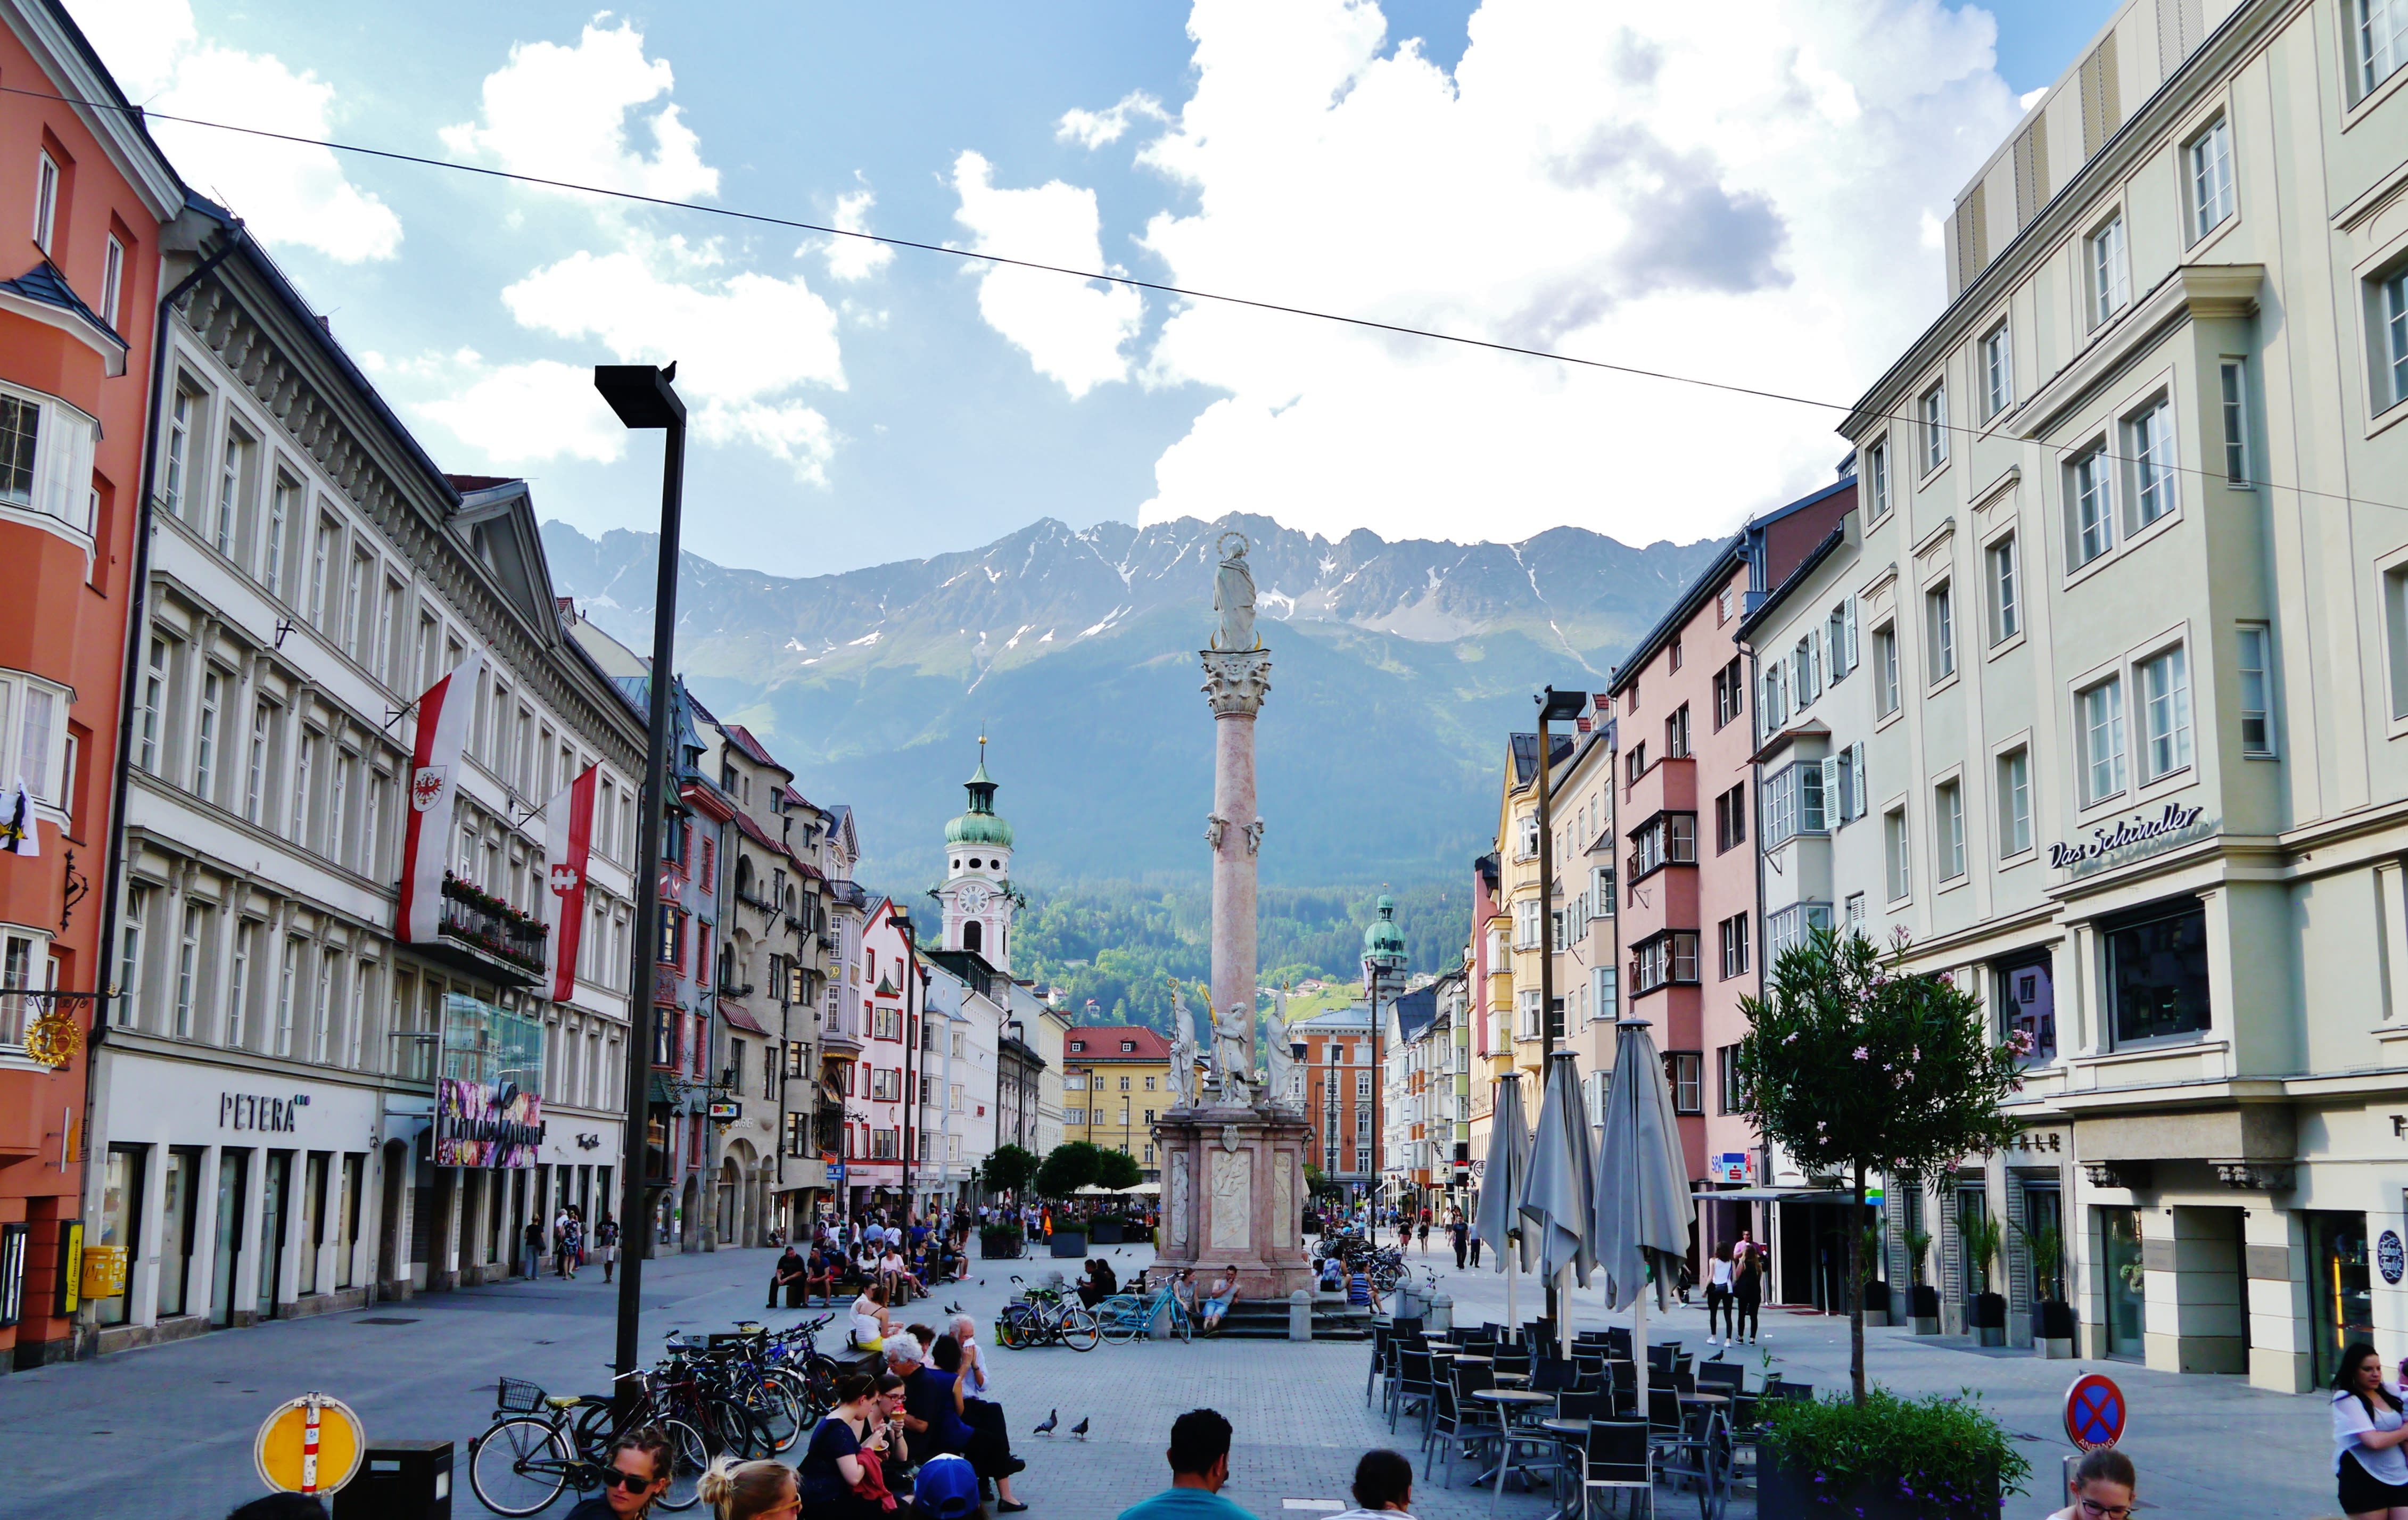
[2094,1411]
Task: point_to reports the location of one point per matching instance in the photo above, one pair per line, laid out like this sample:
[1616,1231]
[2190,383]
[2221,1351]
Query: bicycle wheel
[688,1456]
[780,1400]
[1077,1330]
[1016,1326]
[519,1464]
[1119,1318]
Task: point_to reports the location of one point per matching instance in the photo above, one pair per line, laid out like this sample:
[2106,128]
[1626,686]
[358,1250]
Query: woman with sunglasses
[2368,1430]
[2102,1487]
[634,1473]
[751,1490]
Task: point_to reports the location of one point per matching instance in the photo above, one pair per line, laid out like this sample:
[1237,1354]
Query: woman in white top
[2368,1430]
[1719,1316]
[870,1326]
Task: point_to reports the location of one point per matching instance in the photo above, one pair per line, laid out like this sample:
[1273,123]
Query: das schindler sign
[2129,838]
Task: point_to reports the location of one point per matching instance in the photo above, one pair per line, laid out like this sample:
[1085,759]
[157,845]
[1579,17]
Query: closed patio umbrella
[1559,1202]
[1644,1206]
[1502,1179]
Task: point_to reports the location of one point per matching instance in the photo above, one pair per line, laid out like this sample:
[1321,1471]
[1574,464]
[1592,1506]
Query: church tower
[978,896]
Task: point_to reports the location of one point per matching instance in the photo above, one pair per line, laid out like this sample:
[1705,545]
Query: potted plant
[1106,1229]
[1926,1304]
[1985,1240]
[1000,1242]
[1887,1458]
[1875,1290]
[2053,1318]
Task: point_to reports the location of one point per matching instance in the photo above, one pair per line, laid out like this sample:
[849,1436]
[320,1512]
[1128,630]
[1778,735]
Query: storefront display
[488,1101]
[2341,1296]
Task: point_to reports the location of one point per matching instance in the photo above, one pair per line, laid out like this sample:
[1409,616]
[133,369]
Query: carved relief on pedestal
[1178,1210]
[1233,1202]
[1284,1220]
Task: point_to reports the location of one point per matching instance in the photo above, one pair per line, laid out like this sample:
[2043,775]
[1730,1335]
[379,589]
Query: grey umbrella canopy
[1505,1174]
[1642,1193]
[1559,1202]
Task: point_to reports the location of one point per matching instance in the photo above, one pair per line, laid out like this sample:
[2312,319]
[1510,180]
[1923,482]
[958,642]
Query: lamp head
[641,395]
[1561,706]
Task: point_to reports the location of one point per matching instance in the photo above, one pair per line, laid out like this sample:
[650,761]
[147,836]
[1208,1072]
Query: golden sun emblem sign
[54,1039]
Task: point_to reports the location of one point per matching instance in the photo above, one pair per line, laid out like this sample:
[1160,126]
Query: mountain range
[1397,670]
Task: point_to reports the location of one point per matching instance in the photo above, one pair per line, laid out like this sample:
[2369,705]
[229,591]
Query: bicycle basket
[513,1396]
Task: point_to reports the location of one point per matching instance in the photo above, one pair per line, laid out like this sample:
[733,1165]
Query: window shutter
[1835,794]
[1857,779]
[1849,622]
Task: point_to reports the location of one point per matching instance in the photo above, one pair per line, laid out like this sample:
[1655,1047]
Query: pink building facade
[1692,927]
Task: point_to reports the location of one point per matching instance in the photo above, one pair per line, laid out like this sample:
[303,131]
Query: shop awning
[1777,1195]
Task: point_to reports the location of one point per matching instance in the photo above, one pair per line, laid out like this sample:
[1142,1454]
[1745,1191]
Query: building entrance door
[2341,1299]
[2119,1251]
[275,1185]
[234,1168]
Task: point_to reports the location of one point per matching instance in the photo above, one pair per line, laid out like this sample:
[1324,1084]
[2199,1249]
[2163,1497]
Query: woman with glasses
[2101,1489]
[634,1473]
[2368,1430]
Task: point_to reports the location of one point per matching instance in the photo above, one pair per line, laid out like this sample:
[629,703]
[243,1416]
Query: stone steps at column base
[1266,1319]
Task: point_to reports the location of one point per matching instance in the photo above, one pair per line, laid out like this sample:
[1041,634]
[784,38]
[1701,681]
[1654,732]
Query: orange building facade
[83,195]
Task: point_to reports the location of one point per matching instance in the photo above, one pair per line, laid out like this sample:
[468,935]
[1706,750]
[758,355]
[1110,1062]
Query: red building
[87,194]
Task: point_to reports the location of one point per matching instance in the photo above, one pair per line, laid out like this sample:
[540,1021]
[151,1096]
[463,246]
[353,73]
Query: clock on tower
[977,894]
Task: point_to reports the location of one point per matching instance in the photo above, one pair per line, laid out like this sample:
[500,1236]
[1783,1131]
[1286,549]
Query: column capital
[1236,681]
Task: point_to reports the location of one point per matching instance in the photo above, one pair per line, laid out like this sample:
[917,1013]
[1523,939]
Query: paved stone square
[167,1431]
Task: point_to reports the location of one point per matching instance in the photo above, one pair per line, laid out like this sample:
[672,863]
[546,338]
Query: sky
[1750,193]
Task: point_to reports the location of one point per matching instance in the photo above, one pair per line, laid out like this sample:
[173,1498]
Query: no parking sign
[2094,1411]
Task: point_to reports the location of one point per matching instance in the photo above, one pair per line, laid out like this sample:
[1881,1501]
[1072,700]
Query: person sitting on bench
[791,1268]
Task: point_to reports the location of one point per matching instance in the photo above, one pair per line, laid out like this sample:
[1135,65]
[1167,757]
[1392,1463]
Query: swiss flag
[567,841]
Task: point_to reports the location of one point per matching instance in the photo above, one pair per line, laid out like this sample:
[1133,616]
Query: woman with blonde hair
[870,1326]
[751,1490]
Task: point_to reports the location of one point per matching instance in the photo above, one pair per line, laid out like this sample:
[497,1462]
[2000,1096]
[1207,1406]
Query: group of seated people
[923,1410]
[904,1275]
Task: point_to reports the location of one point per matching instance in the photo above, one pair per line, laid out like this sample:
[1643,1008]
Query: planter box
[1988,1311]
[1876,1319]
[2053,1351]
[1926,1324]
[1926,1300]
[1105,1232]
[1991,1335]
[1069,1242]
[1783,1495]
[2054,1320]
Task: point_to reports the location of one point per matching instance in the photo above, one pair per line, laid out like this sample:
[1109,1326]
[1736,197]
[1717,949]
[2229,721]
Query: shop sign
[488,1100]
[256,1110]
[1732,1167]
[726,1113]
[2131,838]
[2389,1258]
[2038,1141]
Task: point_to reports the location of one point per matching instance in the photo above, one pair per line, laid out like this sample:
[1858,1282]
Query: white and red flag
[434,788]
[567,840]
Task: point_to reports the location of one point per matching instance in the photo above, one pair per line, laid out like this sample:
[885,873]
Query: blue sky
[1546,171]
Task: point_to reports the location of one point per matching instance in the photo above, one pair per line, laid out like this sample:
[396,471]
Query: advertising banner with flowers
[489,1092]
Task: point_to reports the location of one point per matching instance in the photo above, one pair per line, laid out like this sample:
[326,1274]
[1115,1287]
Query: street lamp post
[644,398]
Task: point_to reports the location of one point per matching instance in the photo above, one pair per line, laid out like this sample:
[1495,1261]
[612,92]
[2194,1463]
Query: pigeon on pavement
[1080,1430]
[1052,1418]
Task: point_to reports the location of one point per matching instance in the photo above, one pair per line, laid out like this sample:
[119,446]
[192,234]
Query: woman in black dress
[831,1464]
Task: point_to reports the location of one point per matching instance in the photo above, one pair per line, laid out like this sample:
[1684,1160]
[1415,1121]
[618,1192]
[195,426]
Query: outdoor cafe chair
[1462,1422]
[1413,1379]
[1722,1377]
[1381,1336]
[1696,1448]
[1802,1393]
[1551,1376]
[1622,1378]
[1581,1406]
[1617,1460]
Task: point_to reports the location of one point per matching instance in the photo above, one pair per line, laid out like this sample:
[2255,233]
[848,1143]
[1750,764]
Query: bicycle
[535,1449]
[1046,1318]
[1123,1316]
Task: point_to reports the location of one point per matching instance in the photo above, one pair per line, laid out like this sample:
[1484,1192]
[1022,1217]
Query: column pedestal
[1233,1194]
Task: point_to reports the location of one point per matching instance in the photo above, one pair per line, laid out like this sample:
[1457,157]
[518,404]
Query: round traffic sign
[2094,1411]
[308,1445]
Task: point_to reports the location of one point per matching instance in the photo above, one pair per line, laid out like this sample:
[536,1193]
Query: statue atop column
[1233,598]
[1233,1052]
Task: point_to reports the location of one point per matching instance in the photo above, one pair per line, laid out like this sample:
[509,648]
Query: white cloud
[289,195]
[1094,129]
[1072,331]
[1733,193]
[523,414]
[855,258]
[563,113]
[743,342]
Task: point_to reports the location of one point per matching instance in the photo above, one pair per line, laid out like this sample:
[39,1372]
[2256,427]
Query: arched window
[973,935]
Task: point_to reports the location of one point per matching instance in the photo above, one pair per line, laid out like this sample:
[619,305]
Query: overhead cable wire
[1846,409]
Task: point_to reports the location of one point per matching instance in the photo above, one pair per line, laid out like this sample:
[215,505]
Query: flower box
[1890,1459]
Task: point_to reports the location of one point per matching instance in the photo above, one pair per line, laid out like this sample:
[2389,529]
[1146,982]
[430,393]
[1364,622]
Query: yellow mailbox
[104,1272]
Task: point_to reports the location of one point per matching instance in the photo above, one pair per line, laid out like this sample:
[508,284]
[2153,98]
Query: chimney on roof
[325,325]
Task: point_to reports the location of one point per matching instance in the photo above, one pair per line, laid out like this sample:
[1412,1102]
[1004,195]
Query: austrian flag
[567,840]
[434,789]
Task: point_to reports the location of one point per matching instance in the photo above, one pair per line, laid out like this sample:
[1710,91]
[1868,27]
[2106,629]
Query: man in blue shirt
[1199,1465]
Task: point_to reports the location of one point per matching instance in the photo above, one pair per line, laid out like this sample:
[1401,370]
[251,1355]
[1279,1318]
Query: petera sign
[2129,838]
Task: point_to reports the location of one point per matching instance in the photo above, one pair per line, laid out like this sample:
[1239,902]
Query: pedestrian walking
[1199,1465]
[1720,1324]
[2368,1427]
[1383,1487]
[1458,1233]
[605,1244]
[635,1474]
[532,1240]
[2102,1488]
[1473,1231]
[1747,1293]
[1425,1231]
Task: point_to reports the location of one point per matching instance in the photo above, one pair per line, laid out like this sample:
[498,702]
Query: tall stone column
[1235,683]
